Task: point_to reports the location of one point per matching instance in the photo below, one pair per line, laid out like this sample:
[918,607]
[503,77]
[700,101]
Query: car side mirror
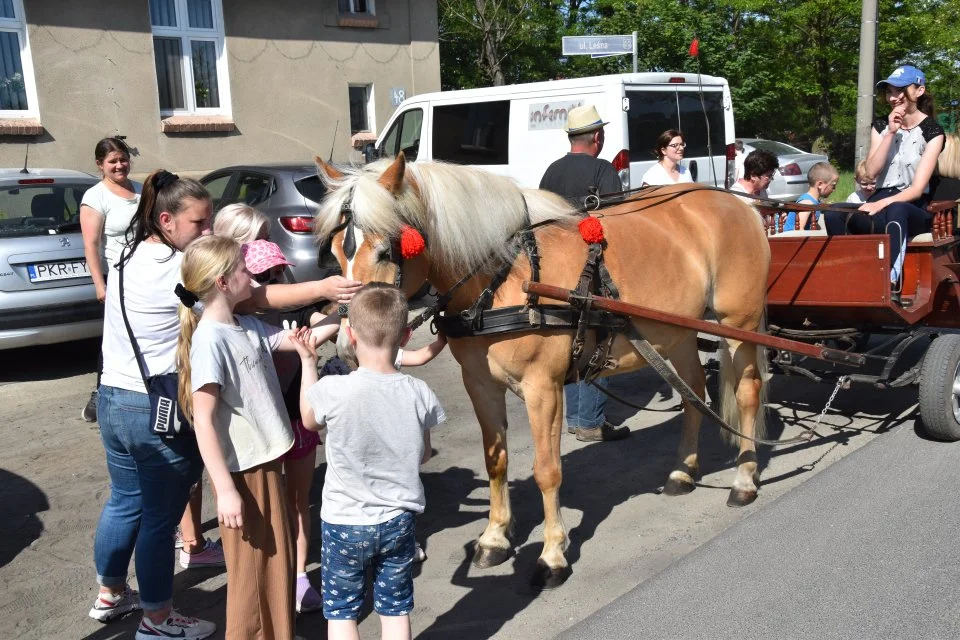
[694,171]
[370,152]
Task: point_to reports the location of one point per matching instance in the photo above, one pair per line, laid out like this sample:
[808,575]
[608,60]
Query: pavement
[863,549]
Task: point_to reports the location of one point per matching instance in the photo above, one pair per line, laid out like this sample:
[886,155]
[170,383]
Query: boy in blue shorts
[822,178]
[377,423]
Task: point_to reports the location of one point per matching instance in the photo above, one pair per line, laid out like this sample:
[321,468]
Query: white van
[517,130]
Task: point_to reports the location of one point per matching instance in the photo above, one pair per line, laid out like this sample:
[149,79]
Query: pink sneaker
[210,556]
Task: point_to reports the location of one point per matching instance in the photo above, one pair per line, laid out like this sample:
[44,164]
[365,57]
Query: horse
[685,250]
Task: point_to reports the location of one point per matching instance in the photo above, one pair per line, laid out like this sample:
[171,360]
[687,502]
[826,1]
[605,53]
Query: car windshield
[39,209]
[776,148]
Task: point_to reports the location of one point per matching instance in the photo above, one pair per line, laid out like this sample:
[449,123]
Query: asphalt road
[862,550]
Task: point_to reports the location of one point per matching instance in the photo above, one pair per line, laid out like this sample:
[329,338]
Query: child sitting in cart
[865,186]
[822,179]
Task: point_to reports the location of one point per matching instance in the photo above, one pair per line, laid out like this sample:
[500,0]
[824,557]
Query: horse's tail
[729,410]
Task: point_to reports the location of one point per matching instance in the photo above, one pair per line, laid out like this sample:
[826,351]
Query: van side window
[695,129]
[474,133]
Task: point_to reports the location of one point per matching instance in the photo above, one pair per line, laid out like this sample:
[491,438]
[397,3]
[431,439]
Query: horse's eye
[383,253]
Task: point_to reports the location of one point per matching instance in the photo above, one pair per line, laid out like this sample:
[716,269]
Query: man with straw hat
[572,176]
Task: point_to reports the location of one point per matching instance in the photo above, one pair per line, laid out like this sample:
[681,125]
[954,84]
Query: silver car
[46,294]
[791,179]
[288,194]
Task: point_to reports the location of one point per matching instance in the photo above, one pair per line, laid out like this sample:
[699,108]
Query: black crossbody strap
[133,341]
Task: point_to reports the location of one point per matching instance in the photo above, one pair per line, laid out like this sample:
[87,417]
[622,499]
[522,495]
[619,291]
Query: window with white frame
[357,6]
[188,47]
[18,92]
[361,108]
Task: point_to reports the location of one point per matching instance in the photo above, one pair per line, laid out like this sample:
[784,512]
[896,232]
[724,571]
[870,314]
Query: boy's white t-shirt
[856,197]
[374,444]
[117,213]
[149,278]
[251,420]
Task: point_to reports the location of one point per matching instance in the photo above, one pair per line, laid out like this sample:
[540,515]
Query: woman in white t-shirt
[668,170]
[105,213]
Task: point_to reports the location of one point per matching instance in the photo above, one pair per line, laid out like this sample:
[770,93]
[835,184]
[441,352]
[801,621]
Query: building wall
[289,66]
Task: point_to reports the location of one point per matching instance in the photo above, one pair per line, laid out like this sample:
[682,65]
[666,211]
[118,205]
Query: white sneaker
[108,607]
[175,626]
[419,555]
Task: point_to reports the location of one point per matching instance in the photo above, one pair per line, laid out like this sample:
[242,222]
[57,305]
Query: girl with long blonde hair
[230,390]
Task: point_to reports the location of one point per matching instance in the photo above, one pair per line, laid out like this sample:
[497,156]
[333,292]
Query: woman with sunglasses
[668,170]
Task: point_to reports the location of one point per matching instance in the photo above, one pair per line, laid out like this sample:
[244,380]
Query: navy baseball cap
[903,77]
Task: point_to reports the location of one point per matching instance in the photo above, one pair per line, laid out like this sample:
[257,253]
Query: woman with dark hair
[105,213]
[150,477]
[758,169]
[668,170]
[904,148]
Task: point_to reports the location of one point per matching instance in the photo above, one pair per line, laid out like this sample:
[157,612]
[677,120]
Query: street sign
[397,95]
[588,45]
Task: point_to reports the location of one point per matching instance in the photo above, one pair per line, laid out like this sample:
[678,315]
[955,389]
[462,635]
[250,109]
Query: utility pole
[865,80]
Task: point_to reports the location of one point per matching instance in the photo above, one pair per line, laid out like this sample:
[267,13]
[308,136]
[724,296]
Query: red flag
[695,48]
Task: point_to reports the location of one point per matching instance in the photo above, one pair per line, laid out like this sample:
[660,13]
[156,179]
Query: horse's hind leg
[544,400]
[746,385]
[489,403]
[686,360]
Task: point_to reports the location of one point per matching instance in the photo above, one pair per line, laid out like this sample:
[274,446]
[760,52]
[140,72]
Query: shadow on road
[19,524]
[50,362]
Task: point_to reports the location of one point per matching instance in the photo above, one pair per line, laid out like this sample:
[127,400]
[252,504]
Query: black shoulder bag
[166,419]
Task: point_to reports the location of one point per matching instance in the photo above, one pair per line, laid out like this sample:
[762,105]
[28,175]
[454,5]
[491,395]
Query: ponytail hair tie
[187,297]
[165,178]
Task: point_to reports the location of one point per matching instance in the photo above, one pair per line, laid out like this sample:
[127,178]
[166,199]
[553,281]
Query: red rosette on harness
[412,243]
[591,230]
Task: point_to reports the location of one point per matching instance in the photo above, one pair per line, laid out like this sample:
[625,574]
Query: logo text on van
[550,115]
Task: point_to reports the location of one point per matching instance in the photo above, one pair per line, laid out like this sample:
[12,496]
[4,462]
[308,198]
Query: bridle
[348,226]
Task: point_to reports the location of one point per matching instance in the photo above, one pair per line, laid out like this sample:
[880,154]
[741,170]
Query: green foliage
[792,64]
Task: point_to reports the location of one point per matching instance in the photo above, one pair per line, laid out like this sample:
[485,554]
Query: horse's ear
[326,169]
[392,178]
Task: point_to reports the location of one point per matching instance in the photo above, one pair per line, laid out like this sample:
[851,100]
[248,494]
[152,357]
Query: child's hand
[230,509]
[305,343]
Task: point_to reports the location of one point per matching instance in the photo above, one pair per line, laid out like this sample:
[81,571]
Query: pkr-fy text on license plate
[45,271]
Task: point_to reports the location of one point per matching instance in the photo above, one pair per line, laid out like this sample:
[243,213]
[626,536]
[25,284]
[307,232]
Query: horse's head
[367,219]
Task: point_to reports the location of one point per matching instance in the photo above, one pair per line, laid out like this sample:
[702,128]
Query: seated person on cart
[903,154]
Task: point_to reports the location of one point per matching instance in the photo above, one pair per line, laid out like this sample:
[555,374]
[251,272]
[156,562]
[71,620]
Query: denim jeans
[150,480]
[584,404]
[348,550]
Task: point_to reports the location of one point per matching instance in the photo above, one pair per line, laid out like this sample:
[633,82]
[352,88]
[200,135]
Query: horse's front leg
[544,400]
[489,403]
[683,478]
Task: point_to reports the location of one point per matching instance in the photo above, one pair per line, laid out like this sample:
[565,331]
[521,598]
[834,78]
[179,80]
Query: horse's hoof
[486,557]
[546,578]
[675,487]
[741,497]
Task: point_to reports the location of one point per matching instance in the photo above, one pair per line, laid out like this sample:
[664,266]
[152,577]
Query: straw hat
[583,120]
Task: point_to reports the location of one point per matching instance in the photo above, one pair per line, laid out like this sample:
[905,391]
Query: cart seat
[821,231]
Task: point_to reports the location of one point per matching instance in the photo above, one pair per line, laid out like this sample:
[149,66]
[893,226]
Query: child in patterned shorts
[378,425]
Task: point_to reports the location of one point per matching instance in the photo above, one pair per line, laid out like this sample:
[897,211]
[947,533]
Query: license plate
[66,270]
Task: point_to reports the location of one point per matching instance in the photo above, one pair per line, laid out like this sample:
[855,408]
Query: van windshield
[31,210]
[654,111]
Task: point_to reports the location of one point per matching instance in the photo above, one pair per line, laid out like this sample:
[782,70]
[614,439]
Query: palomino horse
[695,249]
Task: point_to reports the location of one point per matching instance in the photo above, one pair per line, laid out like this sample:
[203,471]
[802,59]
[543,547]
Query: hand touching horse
[683,250]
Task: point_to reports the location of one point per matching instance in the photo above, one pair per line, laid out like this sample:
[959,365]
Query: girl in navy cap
[903,154]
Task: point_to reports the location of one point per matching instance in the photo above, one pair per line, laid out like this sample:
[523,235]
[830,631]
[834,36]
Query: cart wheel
[940,389]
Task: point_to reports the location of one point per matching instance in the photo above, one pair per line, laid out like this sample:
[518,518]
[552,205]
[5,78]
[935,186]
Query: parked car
[791,180]
[46,294]
[288,194]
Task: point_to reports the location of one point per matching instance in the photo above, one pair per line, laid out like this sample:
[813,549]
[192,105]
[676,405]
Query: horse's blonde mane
[949,161]
[467,214]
